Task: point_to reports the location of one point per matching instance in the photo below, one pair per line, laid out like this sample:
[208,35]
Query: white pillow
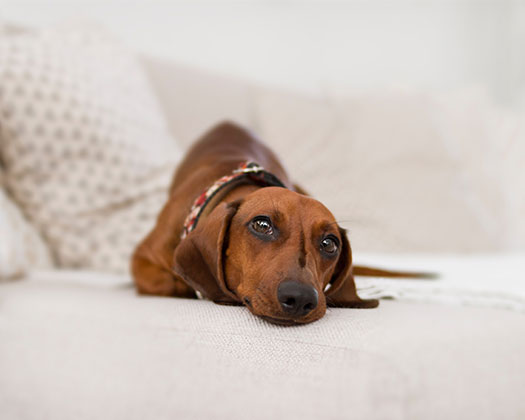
[406,171]
[87,153]
[21,247]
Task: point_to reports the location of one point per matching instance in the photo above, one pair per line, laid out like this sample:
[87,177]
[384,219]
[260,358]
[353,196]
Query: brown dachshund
[237,230]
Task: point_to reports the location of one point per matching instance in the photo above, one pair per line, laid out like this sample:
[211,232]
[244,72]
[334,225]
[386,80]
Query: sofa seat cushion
[83,345]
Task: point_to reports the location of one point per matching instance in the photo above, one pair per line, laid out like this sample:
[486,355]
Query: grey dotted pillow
[87,154]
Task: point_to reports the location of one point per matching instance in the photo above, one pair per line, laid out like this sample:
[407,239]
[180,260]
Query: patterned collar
[250,170]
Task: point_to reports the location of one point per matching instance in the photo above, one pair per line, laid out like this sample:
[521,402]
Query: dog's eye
[330,245]
[262,225]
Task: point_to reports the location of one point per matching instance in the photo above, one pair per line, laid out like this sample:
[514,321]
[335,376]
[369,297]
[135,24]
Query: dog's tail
[360,270]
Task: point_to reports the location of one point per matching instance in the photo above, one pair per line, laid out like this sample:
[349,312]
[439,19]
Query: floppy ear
[342,292]
[198,259]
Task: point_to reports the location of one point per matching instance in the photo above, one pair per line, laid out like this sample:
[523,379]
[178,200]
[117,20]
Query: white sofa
[80,344]
[83,345]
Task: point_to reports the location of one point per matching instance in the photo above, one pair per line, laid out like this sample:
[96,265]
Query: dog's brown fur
[222,259]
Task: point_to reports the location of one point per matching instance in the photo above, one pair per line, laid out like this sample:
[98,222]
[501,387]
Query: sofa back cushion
[406,171]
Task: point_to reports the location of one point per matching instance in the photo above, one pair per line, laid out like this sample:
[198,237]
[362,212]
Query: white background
[342,46]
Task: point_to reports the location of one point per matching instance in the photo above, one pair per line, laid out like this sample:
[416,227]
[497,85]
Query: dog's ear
[198,259]
[342,292]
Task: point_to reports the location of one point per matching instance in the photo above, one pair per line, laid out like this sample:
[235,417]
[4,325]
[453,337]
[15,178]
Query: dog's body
[273,249]
[219,152]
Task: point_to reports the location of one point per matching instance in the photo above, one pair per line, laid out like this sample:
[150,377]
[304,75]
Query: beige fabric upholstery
[75,345]
[195,100]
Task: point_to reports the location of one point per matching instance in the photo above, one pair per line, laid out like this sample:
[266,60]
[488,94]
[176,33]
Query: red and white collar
[250,170]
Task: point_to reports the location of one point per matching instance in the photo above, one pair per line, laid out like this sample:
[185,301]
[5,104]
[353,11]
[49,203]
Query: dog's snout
[297,299]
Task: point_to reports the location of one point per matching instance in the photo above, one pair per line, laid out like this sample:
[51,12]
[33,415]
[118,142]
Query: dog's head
[276,251]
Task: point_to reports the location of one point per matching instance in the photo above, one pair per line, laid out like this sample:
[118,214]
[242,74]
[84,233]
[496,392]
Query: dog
[236,230]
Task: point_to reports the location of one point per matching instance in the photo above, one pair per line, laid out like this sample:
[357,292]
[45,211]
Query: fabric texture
[86,150]
[83,345]
[21,247]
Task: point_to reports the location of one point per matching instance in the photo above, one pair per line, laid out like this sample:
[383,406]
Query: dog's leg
[346,297]
[152,279]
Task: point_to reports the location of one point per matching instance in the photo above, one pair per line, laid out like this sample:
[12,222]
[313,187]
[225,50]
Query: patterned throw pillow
[86,151]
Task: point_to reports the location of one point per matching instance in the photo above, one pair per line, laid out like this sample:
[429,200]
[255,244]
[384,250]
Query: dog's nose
[297,299]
